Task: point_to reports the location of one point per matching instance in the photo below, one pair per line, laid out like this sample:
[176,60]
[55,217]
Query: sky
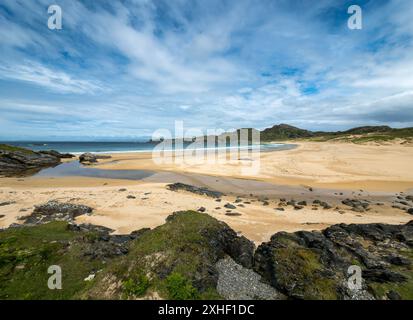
[124,69]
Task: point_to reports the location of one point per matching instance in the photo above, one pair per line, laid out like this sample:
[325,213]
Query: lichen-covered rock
[314,265]
[57,211]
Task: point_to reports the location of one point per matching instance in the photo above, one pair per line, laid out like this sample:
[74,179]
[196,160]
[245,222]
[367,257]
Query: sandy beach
[329,172]
[324,165]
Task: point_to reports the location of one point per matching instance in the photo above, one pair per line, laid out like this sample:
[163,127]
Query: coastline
[316,164]
[280,178]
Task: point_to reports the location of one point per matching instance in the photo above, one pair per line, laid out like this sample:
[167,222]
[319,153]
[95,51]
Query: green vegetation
[26,254]
[171,256]
[302,268]
[360,135]
[180,288]
[6,147]
[284,132]
[404,289]
[172,261]
[136,286]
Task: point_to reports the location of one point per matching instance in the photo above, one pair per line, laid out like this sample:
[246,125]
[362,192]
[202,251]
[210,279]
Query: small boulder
[230,206]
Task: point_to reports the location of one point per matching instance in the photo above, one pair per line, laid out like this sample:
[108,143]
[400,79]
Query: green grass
[180,288]
[136,286]
[6,147]
[26,254]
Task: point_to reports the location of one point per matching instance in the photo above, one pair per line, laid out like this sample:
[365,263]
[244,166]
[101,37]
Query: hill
[356,135]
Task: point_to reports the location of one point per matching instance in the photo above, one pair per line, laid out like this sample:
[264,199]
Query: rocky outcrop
[179,256]
[103,245]
[89,158]
[23,162]
[201,191]
[56,211]
[194,256]
[58,154]
[314,265]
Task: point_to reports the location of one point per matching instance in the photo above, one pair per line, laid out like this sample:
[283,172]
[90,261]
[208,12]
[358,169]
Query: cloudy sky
[127,68]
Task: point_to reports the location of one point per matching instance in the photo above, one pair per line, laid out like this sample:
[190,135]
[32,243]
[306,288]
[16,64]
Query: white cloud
[55,80]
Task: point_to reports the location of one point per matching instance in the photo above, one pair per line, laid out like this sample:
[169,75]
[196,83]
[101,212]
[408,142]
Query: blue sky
[127,68]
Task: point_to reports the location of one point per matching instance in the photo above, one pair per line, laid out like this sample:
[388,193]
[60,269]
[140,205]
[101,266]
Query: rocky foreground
[17,162]
[194,256]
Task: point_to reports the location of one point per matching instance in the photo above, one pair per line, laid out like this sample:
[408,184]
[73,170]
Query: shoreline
[151,201]
[315,164]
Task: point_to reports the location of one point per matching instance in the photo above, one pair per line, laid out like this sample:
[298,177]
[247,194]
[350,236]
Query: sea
[121,147]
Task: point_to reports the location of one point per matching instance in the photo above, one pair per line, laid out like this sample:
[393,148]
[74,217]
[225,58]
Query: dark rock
[265,203]
[2,216]
[54,210]
[302,203]
[298,207]
[139,233]
[325,205]
[58,154]
[238,200]
[201,209]
[356,203]
[88,157]
[122,190]
[196,190]
[410,211]
[358,209]
[280,209]
[17,162]
[313,265]
[230,206]
[233,214]
[383,275]
[60,207]
[131,197]
[7,203]
[398,260]
[393,295]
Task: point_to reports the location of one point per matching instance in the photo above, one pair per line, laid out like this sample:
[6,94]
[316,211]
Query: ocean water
[117,147]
